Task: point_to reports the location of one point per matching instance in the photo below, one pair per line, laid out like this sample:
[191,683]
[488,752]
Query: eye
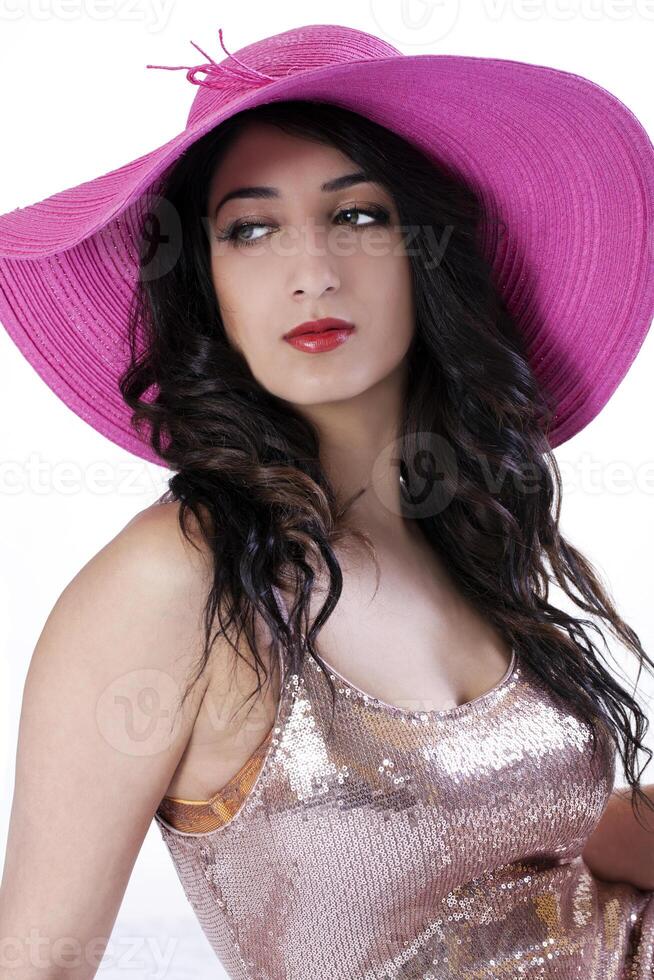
[379,215]
[233,232]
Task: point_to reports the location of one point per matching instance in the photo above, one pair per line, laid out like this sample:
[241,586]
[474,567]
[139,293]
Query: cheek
[240,305]
[384,284]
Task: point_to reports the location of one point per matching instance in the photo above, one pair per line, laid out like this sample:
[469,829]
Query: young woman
[363,513]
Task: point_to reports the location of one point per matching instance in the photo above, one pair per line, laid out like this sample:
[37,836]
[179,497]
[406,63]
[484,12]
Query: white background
[77,101]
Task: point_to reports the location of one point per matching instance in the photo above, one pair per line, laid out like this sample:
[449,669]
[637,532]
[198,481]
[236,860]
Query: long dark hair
[246,463]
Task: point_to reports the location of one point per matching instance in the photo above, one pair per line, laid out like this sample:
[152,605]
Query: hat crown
[297,50]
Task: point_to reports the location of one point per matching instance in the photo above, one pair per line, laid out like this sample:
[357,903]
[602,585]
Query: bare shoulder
[154,537]
[155,549]
[133,611]
[148,570]
[149,584]
[102,729]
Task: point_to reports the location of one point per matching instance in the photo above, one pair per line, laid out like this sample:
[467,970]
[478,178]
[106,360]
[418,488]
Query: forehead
[264,154]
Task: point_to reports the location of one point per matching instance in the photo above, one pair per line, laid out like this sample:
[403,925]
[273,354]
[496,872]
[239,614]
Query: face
[298,252]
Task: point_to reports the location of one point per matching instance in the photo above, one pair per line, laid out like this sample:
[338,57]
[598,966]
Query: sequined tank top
[412,844]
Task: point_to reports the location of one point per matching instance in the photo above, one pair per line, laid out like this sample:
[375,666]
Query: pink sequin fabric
[417,844]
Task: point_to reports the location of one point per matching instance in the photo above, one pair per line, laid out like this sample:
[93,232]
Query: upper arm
[100,737]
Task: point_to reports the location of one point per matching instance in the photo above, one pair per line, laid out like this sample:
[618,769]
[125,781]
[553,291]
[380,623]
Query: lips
[318,342]
[317,327]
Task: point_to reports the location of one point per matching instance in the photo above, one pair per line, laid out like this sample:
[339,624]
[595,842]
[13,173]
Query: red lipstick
[315,336]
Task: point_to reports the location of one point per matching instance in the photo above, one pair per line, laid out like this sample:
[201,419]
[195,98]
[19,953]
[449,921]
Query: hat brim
[561,165]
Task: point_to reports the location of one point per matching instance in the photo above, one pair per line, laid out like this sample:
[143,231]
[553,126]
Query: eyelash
[381,215]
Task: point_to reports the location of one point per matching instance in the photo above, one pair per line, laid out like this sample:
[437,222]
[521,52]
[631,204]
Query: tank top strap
[281,603]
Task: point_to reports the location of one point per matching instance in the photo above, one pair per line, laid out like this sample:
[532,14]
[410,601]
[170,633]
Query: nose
[314,269]
[310,280]
[312,291]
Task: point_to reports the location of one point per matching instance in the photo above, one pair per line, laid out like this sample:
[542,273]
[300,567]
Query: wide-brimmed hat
[564,170]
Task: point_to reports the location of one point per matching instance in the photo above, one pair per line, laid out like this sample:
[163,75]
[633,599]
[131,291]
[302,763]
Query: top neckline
[370,700]
[396,709]
[452,712]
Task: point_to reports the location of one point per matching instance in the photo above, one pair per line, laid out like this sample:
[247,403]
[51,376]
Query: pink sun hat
[561,165]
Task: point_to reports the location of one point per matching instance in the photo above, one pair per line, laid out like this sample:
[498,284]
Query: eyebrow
[264,192]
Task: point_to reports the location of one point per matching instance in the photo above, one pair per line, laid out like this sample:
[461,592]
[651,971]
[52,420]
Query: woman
[422,799]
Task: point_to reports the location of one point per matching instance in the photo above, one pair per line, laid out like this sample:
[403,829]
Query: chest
[411,640]
[408,638]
